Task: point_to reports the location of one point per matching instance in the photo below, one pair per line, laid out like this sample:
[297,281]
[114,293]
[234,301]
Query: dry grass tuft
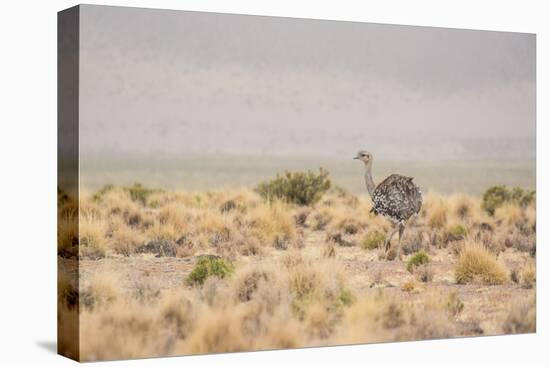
[125,241]
[103,289]
[437,212]
[477,264]
[510,214]
[92,233]
[528,275]
[273,224]
[374,240]
[522,317]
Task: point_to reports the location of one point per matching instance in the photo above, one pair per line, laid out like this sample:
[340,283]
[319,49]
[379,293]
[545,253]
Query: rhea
[396,198]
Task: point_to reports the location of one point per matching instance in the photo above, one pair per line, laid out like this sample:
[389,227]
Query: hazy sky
[156,81]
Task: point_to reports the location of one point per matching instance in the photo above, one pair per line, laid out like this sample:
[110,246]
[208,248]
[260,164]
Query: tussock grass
[103,289]
[522,317]
[420,258]
[434,210]
[67,236]
[273,224]
[454,305]
[510,214]
[125,241]
[477,264]
[528,275]
[374,240]
[93,242]
[456,233]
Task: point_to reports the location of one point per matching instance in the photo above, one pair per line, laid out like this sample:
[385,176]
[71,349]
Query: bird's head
[364,156]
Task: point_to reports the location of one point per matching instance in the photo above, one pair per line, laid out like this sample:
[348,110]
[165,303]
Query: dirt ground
[368,274]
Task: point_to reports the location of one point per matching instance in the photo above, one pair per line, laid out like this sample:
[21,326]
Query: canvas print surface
[241,183]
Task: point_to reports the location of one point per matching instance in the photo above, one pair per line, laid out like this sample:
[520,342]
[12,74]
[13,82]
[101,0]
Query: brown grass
[477,264]
[522,317]
[528,275]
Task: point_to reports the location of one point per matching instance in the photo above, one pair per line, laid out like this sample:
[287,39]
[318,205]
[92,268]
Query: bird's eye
[363,155]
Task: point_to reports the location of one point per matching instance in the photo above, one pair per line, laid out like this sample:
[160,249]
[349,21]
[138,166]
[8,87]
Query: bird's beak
[355,157]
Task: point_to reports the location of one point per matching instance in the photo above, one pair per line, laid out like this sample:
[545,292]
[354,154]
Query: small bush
[414,241]
[159,247]
[301,188]
[373,241]
[454,305]
[528,276]
[522,197]
[209,266]
[249,283]
[105,189]
[139,193]
[456,233]
[346,297]
[522,317]
[437,217]
[67,293]
[336,237]
[67,237]
[424,273]
[228,206]
[476,263]
[321,219]
[497,196]
[420,258]
[93,244]
[494,197]
[125,241]
[350,225]
[301,217]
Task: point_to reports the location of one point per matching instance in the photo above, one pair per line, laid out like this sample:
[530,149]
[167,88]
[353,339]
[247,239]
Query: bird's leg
[401,230]
[387,241]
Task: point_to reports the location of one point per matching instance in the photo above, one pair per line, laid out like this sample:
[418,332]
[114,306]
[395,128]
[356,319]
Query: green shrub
[346,298]
[456,233]
[373,241]
[420,258]
[301,188]
[139,193]
[209,266]
[496,196]
[522,197]
[105,189]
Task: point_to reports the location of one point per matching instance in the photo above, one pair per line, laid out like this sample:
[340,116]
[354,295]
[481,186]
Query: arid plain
[296,262]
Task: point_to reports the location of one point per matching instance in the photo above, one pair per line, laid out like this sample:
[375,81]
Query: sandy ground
[367,274]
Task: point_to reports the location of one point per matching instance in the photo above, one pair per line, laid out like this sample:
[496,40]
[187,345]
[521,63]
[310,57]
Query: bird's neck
[368,179]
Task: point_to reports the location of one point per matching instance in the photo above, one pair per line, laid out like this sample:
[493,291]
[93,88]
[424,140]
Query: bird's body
[396,198]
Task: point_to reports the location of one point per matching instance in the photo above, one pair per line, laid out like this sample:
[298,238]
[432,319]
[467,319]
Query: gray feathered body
[397,198]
